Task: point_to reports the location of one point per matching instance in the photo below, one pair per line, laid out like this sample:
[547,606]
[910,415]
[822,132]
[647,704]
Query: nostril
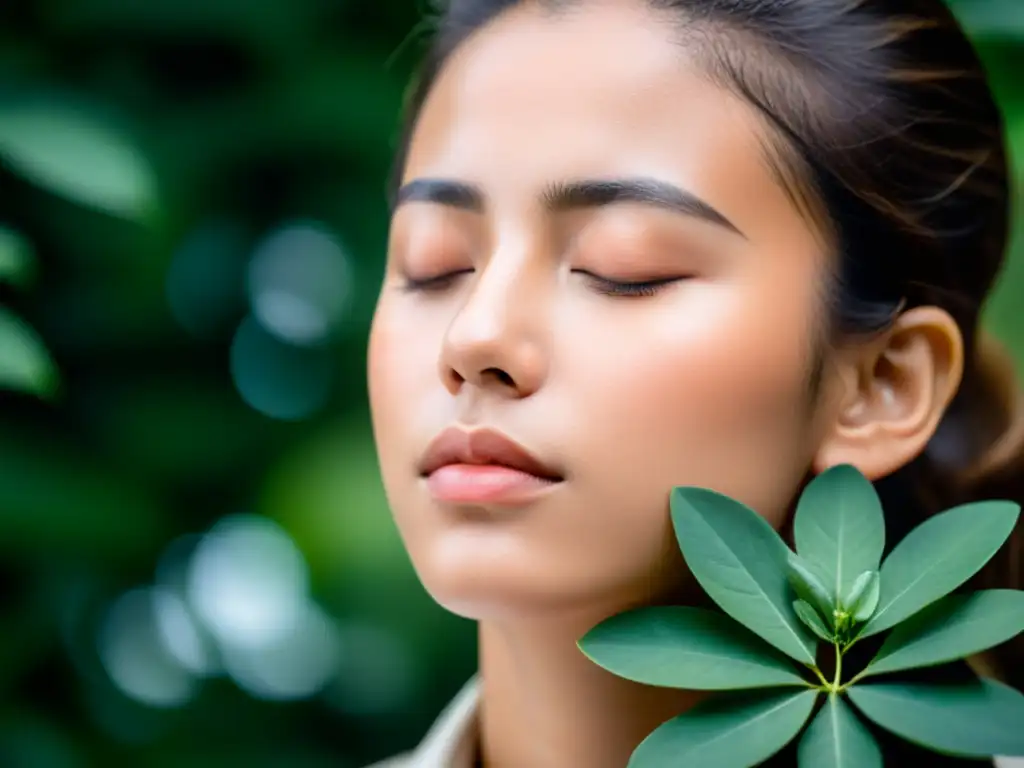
[500,375]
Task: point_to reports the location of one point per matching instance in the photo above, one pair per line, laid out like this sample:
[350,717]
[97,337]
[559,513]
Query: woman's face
[558,156]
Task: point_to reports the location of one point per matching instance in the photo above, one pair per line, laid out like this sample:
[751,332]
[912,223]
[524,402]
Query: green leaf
[740,561]
[839,527]
[836,738]
[978,719]
[25,363]
[17,260]
[808,586]
[76,156]
[952,628]
[937,557]
[727,731]
[680,647]
[810,617]
[863,598]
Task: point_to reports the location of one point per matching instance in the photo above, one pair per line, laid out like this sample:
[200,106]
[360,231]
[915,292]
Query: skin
[705,382]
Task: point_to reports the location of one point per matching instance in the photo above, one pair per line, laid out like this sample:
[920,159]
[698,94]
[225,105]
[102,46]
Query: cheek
[403,384]
[716,395]
[401,375]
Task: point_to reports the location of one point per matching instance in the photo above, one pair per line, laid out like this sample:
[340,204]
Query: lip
[483,447]
[484,466]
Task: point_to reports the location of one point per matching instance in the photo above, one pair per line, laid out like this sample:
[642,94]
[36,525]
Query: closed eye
[434,283]
[628,289]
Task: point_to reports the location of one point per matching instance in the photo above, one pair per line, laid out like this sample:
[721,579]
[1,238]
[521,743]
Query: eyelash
[623,289]
[434,284]
[603,285]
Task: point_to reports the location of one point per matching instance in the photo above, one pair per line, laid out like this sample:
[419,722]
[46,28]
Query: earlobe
[894,391]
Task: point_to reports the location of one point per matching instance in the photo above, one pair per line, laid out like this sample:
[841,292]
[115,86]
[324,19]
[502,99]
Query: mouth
[484,466]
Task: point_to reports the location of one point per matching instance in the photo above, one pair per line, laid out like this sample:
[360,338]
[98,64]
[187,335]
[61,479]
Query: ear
[891,393]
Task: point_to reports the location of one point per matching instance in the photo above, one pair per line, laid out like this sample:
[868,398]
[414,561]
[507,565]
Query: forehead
[599,89]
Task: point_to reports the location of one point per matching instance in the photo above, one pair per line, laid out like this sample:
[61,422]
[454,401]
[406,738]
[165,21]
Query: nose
[497,339]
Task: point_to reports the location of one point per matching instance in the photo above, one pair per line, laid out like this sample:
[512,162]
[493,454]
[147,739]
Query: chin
[489,602]
[482,580]
[476,579]
[487,580]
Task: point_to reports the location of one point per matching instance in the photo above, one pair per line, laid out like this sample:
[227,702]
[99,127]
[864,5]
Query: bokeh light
[135,657]
[298,665]
[277,379]
[180,634]
[234,600]
[300,283]
[248,583]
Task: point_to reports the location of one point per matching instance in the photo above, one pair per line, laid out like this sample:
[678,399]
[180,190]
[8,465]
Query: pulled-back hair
[882,127]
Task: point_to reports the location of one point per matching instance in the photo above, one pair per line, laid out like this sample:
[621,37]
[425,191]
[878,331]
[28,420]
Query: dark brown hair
[884,128]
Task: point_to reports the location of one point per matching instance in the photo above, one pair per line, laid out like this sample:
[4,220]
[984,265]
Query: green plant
[79,158]
[792,617]
[25,363]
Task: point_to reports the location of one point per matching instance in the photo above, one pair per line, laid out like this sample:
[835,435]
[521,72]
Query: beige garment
[453,739]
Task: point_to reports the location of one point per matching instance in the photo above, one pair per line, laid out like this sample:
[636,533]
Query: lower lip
[486,484]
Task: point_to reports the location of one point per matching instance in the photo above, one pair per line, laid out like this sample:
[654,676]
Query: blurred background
[197,564]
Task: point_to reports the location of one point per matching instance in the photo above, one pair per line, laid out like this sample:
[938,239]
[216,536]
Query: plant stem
[836,683]
[820,676]
[853,680]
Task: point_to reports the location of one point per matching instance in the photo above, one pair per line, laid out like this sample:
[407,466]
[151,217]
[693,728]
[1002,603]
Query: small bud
[862,598]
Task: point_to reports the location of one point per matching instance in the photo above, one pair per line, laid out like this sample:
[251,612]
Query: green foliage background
[147,151]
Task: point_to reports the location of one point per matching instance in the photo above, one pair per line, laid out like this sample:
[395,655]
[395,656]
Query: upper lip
[482,446]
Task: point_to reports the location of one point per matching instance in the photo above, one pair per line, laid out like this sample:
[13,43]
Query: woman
[639,244]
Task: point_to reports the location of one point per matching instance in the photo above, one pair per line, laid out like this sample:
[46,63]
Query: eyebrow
[564,196]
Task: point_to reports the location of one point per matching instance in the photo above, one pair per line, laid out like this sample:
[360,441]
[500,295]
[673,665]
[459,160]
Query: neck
[546,705]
